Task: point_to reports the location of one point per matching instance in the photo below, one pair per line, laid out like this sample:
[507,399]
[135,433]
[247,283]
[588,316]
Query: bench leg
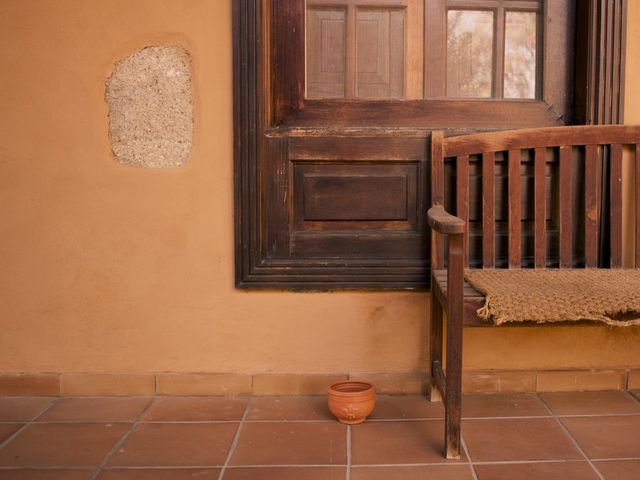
[453,393]
[435,345]
[453,389]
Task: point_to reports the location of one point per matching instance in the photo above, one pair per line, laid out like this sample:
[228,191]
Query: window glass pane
[380,53]
[520,55]
[366,49]
[326,52]
[469,53]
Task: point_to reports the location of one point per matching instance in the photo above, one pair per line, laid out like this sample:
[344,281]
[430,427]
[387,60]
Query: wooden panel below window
[358,201]
[359,196]
[354,197]
[358,248]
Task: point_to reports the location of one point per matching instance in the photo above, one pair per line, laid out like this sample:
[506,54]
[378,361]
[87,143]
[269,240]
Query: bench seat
[529,296]
[473,300]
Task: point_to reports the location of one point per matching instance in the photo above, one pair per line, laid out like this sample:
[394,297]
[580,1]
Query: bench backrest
[567,193]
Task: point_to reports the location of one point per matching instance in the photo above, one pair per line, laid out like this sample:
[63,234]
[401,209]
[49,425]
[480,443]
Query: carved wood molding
[600,75]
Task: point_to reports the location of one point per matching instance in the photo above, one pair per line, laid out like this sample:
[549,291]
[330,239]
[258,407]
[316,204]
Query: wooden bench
[538,164]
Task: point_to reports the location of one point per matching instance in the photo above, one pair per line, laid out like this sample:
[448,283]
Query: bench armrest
[443,222]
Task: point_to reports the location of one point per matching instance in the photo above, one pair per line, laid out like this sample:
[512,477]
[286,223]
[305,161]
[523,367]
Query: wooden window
[422,63]
[375,49]
[335,101]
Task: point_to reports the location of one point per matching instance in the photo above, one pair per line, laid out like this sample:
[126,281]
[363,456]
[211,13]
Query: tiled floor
[563,436]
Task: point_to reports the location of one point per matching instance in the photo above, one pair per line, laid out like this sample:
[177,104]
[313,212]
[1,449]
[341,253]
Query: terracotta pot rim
[368,388]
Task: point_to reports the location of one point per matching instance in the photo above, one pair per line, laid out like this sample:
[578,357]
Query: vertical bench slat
[437,196]
[540,206]
[591,206]
[437,169]
[462,201]
[616,205]
[514,208]
[566,225]
[488,210]
[637,194]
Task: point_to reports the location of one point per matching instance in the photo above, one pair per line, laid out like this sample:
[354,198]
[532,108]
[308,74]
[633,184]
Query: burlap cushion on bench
[558,295]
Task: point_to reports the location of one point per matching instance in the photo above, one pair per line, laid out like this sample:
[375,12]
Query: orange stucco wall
[117,269]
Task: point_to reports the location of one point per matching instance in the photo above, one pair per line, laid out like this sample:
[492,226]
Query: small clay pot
[351,402]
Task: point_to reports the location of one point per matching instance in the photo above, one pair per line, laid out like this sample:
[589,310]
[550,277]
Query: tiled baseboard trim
[550,380]
[107,384]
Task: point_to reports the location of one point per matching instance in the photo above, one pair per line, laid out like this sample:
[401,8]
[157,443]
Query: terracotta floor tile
[606,437]
[619,469]
[409,406]
[96,409]
[502,405]
[46,474]
[57,444]
[517,440]
[160,474]
[286,473]
[8,429]
[591,403]
[176,444]
[291,443]
[419,441]
[22,409]
[197,409]
[436,472]
[308,435]
[537,471]
[290,408]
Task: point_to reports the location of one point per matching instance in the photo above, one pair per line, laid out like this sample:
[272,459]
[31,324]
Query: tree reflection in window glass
[469,53]
[520,55]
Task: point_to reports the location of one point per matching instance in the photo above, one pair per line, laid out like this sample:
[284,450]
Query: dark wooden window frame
[290,110]
[269,104]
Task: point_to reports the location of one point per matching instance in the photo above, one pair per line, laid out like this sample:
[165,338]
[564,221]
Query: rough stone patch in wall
[151,107]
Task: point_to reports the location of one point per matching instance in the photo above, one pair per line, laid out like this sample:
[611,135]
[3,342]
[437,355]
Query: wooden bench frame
[449,292]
